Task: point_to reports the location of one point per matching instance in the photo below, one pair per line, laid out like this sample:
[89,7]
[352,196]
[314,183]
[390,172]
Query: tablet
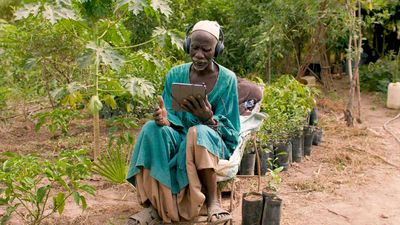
[181,91]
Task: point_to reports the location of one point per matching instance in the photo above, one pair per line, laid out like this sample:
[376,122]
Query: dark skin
[203,70]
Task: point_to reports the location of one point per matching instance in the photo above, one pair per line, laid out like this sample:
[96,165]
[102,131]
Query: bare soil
[352,177]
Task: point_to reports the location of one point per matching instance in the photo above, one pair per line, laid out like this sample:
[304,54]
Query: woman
[175,156]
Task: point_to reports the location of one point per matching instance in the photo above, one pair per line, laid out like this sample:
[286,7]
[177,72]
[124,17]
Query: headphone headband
[219,48]
[220,38]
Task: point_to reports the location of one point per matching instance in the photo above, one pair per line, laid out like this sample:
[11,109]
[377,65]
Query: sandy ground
[352,177]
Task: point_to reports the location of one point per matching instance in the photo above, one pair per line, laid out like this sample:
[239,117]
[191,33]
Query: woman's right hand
[160,113]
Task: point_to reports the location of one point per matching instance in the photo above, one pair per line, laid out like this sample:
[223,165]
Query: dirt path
[349,186]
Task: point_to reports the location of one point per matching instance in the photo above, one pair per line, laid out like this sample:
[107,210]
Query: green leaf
[89,189]
[6,217]
[76,197]
[59,202]
[40,193]
[4,201]
[95,104]
[84,203]
[109,100]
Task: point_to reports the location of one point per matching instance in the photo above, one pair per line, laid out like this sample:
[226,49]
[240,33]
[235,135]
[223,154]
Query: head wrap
[211,27]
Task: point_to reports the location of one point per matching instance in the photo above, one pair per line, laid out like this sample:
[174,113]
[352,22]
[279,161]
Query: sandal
[147,216]
[216,210]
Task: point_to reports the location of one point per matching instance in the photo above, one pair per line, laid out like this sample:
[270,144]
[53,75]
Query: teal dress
[162,149]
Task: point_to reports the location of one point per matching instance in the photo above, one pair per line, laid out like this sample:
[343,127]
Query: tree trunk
[354,80]
[324,61]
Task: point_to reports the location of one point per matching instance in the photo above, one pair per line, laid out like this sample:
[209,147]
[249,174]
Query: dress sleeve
[226,113]
[173,118]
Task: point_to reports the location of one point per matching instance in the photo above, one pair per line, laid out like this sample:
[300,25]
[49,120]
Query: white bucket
[393,96]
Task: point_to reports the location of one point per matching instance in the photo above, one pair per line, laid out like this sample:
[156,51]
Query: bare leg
[208,178]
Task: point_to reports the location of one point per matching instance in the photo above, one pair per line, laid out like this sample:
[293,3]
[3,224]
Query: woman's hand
[160,113]
[199,107]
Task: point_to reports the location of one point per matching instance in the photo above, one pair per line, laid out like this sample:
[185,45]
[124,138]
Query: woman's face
[202,49]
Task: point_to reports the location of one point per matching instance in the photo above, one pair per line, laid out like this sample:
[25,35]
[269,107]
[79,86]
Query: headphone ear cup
[219,49]
[186,45]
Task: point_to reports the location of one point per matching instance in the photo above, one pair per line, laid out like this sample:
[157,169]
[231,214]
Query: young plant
[113,164]
[58,119]
[35,188]
[276,179]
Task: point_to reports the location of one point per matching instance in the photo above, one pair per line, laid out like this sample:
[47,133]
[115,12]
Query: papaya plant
[36,188]
[105,50]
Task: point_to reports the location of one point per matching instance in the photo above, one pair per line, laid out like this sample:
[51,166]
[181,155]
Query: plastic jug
[393,96]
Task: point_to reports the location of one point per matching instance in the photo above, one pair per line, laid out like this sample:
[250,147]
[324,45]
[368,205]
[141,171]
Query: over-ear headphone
[219,48]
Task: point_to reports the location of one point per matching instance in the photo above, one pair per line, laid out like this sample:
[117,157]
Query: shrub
[29,183]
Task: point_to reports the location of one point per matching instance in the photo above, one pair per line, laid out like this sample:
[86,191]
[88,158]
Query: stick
[258,162]
[354,148]
[338,214]
[389,131]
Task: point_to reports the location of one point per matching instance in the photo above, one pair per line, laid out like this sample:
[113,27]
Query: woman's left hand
[199,107]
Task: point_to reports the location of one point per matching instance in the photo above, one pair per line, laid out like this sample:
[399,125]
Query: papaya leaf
[107,55]
[139,87]
[109,100]
[161,5]
[27,10]
[135,6]
[55,13]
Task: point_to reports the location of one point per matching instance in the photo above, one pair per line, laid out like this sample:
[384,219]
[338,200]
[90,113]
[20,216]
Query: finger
[157,113]
[161,102]
[195,102]
[188,104]
[202,102]
[207,102]
[184,107]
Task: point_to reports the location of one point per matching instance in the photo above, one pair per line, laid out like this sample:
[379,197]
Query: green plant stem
[26,207]
[96,120]
[135,46]
[55,209]
[45,202]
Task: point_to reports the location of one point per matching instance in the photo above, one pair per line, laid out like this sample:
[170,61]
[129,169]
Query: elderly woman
[175,156]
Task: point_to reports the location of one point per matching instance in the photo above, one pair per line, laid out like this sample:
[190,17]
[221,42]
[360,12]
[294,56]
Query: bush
[287,103]
[376,76]
[29,183]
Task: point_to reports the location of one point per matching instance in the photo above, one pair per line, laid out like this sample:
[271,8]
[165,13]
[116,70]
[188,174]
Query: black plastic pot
[247,164]
[308,139]
[272,209]
[264,152]
[313,121]
[318,133]
[282,152]
[252,208]
[297,148]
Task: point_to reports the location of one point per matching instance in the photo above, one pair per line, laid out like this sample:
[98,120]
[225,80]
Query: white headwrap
[211,27]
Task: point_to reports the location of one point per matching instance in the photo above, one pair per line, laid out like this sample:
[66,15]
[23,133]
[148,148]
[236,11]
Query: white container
[393,96]
[310,80]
